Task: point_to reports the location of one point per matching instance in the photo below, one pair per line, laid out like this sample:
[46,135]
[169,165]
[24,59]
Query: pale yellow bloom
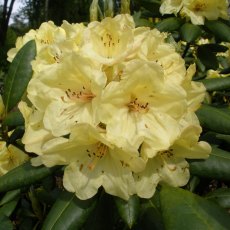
[35,134]
[10,157]
[68,94]
[215,74]
[154,48]
[112,40]
[196,10]
[195,90]
[140,104]
[53,43]
[55,52]
[93,161]
[171,6]
[20,42]
[115,105]
[47,34]
[169,166]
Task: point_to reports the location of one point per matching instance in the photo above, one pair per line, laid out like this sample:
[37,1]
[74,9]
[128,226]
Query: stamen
[82,95]
[199,6]
[100,152]
[110,42]
[136,106]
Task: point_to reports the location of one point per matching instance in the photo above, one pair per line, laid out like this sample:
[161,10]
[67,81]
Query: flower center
[82,95]
[168,154]
[136,106]
[110,43]
[57,58]
[199,6]
[96,154]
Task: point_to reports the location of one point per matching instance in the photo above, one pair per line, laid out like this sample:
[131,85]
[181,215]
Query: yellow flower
[195,90]
[196,10]
[35,134]
[47,34]
[52,43]
[112,40]
[93,161]
[10,157]
[140,104]
[115,104]
[55,52]
[70,92]
[171,6]
[154,48]
[169,166]
[20,42]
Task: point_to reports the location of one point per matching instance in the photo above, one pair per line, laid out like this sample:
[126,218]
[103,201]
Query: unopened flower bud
[93,11]
[125,6]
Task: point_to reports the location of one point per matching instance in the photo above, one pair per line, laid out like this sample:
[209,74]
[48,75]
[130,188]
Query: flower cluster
[113,103]
[196,10]
[10,157]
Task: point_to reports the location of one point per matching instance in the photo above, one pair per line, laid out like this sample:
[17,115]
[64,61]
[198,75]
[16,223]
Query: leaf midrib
[63,210]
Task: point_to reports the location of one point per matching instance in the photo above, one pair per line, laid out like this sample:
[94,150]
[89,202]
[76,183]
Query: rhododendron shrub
[116,115]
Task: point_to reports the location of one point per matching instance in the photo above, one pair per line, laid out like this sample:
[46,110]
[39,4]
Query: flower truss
[113,103]
[10,157]
[196,10]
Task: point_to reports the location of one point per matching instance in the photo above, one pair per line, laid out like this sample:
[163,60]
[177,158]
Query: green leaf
[226,70]
[27,223]
[128,210]
[104,215]
[182,209]
[5,223]
[223,137]
[7,209]
[47,197]
[36,206]
[14,118]
[68,212]
[201,68]
[16,134]
[193,183]
[215,47]
[151,4]
[190,32]
[207,57]
[169,24]
[215,119]
[221,196]
[219,29]
[19,74]
[9,196]
[217,166]
[216,83]
[151,217]
[141,21]
[24,175]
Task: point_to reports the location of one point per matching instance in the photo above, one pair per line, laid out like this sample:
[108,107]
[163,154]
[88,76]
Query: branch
[10,11]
